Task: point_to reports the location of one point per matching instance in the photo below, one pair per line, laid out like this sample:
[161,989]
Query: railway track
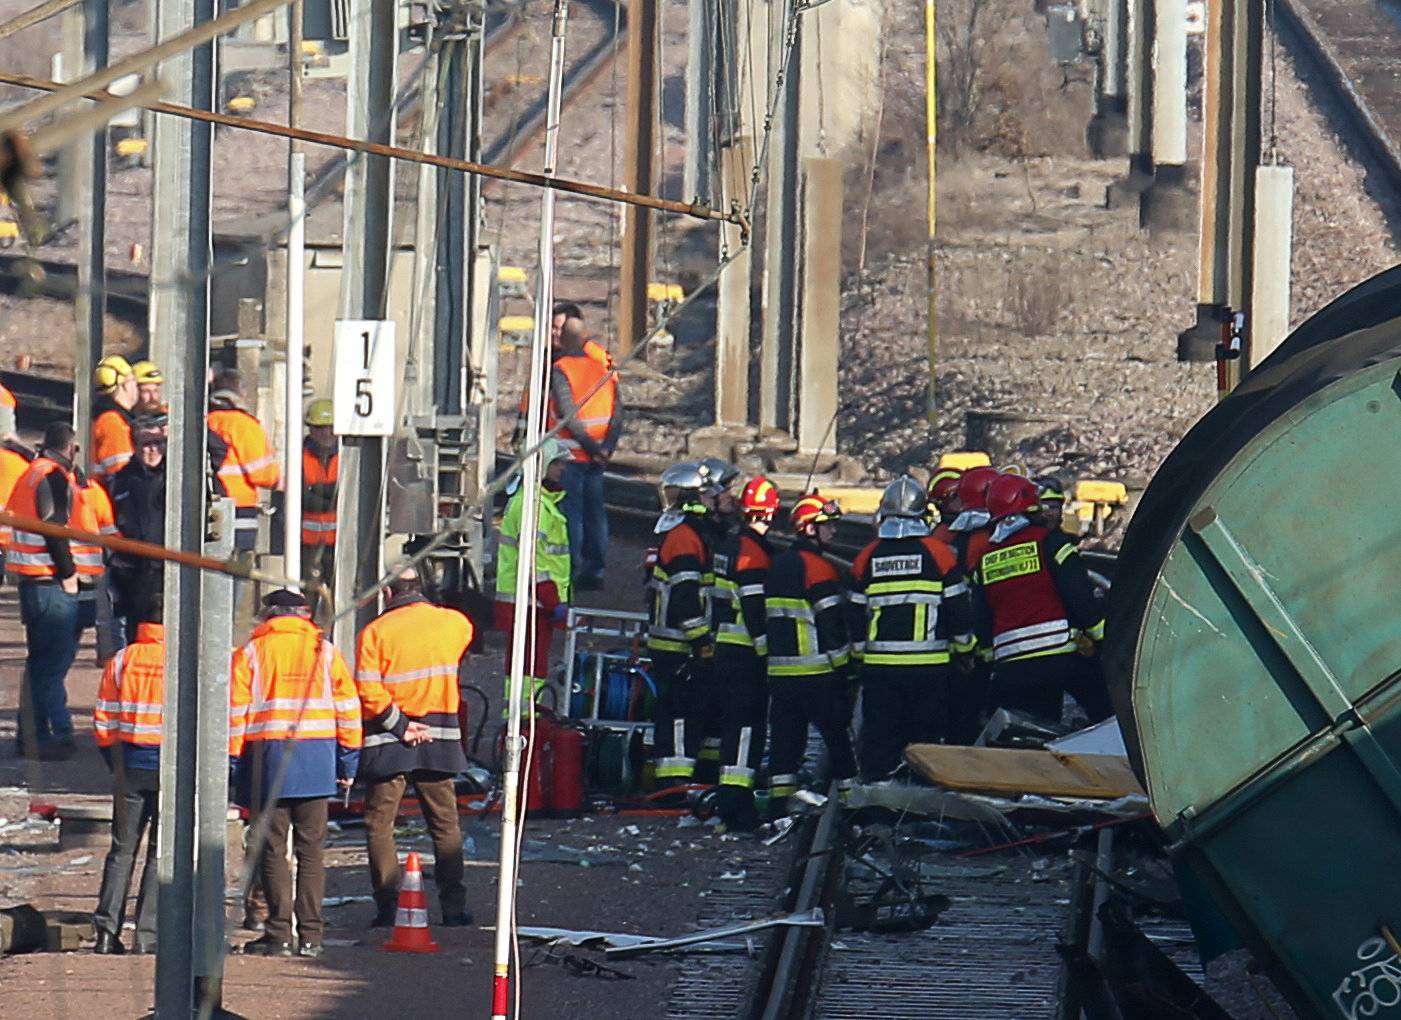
[1356,48]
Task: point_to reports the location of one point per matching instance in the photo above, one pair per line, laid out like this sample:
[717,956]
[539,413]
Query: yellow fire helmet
[146,372]
[110,372]
[320,412]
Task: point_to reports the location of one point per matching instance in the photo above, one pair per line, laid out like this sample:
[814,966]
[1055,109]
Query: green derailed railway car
[1254,652]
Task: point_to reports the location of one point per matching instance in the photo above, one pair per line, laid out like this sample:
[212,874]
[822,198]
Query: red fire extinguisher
[567,780]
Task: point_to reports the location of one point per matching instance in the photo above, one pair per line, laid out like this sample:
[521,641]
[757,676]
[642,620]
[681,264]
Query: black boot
[108,945]
[267,946]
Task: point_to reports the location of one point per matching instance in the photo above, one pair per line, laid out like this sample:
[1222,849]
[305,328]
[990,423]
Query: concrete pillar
[1140,85]
[1269,302]
[733,300]
[820,335]
[1108,130]
[1169,86]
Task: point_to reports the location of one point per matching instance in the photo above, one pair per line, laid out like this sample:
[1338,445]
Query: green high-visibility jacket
[551,547]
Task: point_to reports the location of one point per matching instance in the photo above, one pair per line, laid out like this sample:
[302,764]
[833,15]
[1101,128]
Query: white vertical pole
[296,368]
[525,565]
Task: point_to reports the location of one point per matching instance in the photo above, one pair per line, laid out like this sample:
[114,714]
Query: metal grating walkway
[991,955]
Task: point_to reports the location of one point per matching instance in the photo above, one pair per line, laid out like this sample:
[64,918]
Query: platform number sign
[365,372]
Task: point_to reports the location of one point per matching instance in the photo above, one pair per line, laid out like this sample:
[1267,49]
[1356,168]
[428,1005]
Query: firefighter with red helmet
[742,565]
[679,639]
[914,614]
[809,652]
[943,497]
[1038,600]
[966,534]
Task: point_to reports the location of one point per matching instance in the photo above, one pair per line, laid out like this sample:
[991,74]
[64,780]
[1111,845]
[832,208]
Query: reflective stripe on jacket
[680,579]
[406,671]
[741,566]
[249,464]
[805,607]
[292,692]
[29,552]
[1037,594]
[111,441]
[911,603]
[130,696]
[319,473]
[552,562]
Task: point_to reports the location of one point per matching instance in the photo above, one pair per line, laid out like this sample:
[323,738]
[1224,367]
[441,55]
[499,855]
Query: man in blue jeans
[48,570]
[585,395]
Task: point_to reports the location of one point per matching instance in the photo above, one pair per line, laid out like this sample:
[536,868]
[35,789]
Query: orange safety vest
[406,665]
[101,506]
[7,399]
[319,483]
[599,353]
[131,693]
[288,682]
[13,465]
[594,414]
[28,554]
[111,442]
[249,465]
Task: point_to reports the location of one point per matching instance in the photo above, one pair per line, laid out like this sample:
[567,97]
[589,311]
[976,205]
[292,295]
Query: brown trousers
[306,816]
[438,800]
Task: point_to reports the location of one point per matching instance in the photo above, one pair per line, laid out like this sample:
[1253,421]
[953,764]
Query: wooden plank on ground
[1013,771]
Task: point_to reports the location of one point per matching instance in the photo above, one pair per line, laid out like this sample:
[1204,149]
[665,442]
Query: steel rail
[696,210]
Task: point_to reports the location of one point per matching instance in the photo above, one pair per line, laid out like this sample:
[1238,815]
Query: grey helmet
[721,474]
[903,497]
[903,510]
[681,485]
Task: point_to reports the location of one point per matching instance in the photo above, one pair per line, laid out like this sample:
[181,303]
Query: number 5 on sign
[365,371]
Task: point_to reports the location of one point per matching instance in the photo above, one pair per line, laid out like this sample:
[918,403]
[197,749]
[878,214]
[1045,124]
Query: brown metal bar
[146,550]
[35,15]
[697,210]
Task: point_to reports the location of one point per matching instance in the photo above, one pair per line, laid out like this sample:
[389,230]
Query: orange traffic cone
[411,922]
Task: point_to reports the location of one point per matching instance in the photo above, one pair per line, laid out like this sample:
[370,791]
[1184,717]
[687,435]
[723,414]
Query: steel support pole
[212,772]
[296,365]
[181,251]
[90,302]
[781,253]
[700,99]
[1247,36]
[638,173]
[1199,343]
[459,195]
[733,294]
[369,207]
[419,373]
[486,313]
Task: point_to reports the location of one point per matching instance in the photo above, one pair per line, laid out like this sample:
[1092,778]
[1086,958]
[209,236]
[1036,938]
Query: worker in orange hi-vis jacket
[294,738]
[249,464]
[407,664]
[126,721]
[117,394]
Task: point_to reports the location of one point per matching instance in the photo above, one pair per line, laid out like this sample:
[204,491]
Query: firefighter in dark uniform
[679,639]
[741,567]
[1040,609]
[912,614]
[809,653]
[966,533]
[943,497]
[719,527]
